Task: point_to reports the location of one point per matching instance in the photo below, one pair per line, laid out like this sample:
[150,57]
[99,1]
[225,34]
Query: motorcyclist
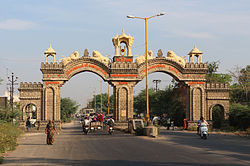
[86,122]
[111,122]
[202,122]
[198,126]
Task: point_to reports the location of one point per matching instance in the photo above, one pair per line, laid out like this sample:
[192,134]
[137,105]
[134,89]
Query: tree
[104,103]
[213,67]
[7,115]
[160,102]
[239,116]
[212,76]
[241,77]
[68,108]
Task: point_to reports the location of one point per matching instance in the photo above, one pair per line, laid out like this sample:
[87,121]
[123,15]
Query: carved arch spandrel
[162,65]
[89,65]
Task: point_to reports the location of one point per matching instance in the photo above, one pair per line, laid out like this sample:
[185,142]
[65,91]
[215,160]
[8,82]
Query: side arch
[210,110]
[23,109]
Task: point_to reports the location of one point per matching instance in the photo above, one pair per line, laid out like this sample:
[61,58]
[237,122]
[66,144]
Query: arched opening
[31,113]
[123,49]
[167,97]
[217,116]
[50,59]
[85,88]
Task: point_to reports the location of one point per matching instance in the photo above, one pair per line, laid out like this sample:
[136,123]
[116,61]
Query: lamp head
[130,16]
[161,14]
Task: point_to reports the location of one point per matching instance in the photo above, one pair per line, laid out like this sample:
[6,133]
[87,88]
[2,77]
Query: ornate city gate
[123,73]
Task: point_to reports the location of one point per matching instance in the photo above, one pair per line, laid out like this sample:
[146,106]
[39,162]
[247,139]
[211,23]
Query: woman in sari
[50,131]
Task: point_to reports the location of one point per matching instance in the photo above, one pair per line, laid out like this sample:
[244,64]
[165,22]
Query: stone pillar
[51,103]
[123,100]
[116,50]
[196,102]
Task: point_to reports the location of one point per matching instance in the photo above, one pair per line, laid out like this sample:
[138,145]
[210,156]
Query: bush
[8,136]
[239,116]
[8,115]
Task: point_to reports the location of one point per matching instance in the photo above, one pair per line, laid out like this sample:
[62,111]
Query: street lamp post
[146,54]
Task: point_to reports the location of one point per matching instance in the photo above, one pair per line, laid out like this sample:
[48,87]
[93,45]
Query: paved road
[171,148]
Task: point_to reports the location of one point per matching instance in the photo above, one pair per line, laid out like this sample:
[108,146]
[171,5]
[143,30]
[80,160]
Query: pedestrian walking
[50,131]
[28,124]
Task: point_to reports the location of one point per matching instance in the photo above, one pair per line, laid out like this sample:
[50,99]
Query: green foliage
[237,94]
[161,102]
[68,108]
[239,116]
[213,67]
[212,76]
[8,115]
[104,103]
[219,78]
[241,78]
[8,136]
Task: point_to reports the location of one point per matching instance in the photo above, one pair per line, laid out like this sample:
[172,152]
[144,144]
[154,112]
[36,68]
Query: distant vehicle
[87,111]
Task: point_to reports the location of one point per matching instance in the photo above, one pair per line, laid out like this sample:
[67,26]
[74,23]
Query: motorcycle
[203,132]
[111,130]
[86,129]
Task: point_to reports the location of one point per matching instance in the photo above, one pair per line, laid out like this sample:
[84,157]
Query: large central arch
[123,73]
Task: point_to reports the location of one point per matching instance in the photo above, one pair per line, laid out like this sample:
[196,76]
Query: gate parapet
[196,65]
[217,86]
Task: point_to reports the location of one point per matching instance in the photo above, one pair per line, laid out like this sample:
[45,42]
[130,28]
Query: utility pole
[156,84]
[95,100]
[101,95]
[12,83]
[108,98]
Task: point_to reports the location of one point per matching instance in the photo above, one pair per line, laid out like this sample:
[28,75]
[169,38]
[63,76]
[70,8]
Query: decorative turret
[195,52]
[50,52]
[123,38]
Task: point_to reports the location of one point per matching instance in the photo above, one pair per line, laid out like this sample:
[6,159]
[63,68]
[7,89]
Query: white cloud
[15,24]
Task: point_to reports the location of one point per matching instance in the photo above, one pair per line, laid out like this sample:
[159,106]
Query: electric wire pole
[95,100]
[156,84]
[108,98]
[12,83]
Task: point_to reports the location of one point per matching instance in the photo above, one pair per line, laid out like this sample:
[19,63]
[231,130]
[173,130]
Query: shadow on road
[227,144]
[43,161]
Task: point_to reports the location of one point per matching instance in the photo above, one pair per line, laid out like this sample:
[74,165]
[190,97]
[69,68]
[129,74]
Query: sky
[219,28]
